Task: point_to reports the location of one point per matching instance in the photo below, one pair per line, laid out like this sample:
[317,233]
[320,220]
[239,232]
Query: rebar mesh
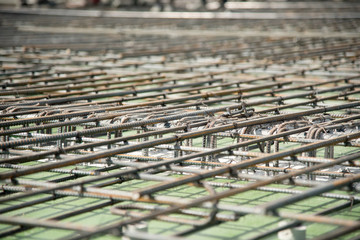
[159,128]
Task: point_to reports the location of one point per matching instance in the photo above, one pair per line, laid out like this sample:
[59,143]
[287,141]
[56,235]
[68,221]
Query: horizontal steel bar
[44,223]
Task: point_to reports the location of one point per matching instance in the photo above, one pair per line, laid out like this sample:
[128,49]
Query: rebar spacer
[352,88]
[121,179]
[239,96]
[134,90]
[78,137]
[351,202]
[187,128]
[291,180]
[177,138]
[53,194]
[233,172]
[281,101]
[347,141]
[61,150]
[82,189]
[14,181]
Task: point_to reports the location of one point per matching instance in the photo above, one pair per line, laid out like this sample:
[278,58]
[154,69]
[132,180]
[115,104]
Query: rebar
[201,123]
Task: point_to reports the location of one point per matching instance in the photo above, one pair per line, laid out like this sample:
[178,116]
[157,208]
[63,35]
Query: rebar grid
[184,136]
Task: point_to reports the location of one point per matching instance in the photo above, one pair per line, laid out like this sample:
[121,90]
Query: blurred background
[175,5]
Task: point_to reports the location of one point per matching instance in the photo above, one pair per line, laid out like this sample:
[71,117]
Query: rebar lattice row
[152,137]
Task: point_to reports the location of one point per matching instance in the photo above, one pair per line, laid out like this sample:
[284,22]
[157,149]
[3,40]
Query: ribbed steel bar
[54,165]
[251,162]
[41,223]
[341,231]
[272,206]
[281,98]
[175,138]
[222,170]
[230,192]
[297,223]
[122,93]
[79,134]
[59,217]
[179,120]
[99,95]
